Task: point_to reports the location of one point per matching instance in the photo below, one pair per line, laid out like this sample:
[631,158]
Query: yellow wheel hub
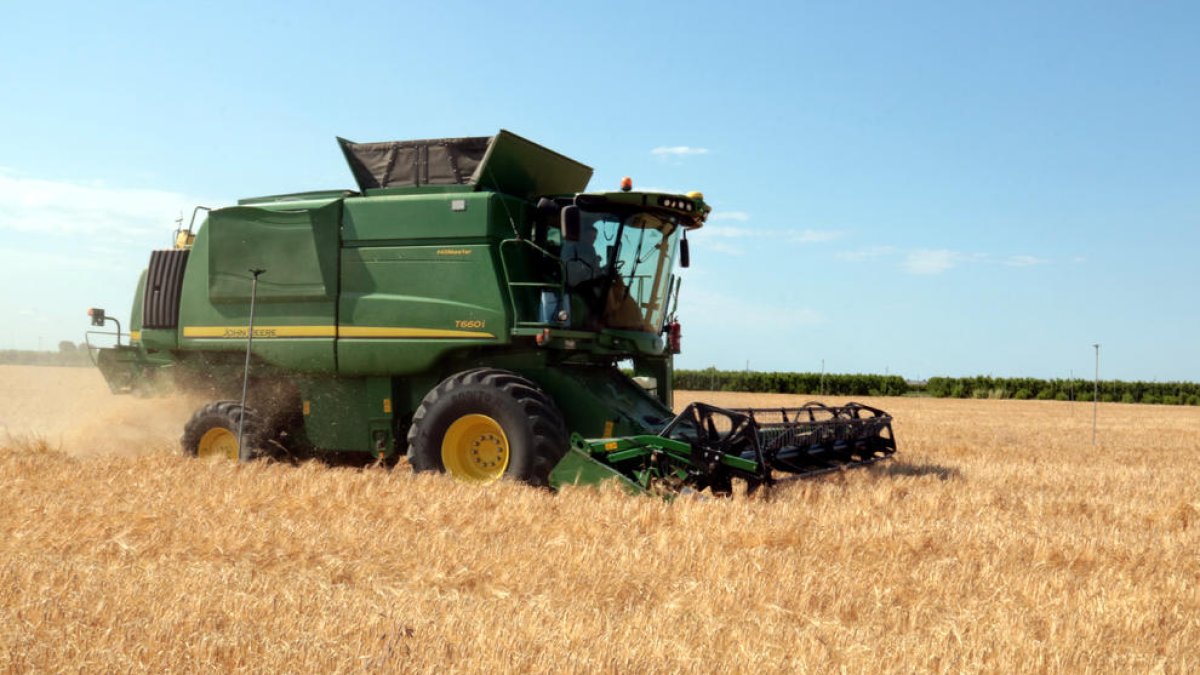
[218,443]
[475,449]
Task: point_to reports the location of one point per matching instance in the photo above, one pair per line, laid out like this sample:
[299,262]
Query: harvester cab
[618,253]
[470,307]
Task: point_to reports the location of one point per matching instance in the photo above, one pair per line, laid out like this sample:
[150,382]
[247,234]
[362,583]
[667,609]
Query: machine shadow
[892,469]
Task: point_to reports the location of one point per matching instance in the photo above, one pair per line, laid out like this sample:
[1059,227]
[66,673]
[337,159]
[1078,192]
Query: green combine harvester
[469,306]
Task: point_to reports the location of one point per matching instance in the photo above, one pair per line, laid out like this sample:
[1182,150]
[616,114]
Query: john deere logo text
[258,333]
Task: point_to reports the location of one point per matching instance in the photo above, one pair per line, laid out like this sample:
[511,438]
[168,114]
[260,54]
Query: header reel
[708,447]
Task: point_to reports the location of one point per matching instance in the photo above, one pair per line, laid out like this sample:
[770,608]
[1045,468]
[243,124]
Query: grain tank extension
[470,306]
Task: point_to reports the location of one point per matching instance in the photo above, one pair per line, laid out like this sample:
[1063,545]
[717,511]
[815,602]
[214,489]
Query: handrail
[518,320]
[92,349]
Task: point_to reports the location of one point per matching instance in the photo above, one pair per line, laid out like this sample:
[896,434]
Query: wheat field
[1000,539]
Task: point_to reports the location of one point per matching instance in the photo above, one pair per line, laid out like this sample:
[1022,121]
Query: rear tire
[485,424]
[212,432]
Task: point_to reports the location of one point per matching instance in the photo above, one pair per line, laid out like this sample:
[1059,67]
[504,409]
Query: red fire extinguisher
[674,333]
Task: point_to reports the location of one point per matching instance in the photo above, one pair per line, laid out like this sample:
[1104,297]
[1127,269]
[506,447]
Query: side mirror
[570,223]
[97,315]
[685,257]
[545,214]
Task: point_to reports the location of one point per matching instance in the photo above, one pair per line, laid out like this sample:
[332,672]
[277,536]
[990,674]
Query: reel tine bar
[820,438]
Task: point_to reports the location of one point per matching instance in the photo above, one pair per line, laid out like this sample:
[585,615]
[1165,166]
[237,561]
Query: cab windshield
[626,260]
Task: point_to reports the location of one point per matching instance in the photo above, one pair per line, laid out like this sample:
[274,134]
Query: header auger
[469,306]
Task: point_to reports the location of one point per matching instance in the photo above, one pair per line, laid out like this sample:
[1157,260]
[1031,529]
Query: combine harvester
[469,306]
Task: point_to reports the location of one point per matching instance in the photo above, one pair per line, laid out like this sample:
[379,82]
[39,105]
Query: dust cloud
[73,410]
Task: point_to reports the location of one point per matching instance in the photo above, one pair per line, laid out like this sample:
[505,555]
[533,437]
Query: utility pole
[1096,394]
[822,377]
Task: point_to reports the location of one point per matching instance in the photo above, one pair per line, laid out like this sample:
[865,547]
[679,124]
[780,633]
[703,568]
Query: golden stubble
[999,539]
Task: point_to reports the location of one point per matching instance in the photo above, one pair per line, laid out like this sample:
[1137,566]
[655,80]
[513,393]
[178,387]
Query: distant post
[1096,394]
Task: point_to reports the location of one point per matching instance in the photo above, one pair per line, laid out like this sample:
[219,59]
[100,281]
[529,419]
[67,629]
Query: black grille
[164,281]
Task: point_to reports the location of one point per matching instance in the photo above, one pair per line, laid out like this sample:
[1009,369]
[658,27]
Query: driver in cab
[584,264]
[582,261]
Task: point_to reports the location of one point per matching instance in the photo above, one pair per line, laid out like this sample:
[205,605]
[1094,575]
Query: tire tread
[547,428]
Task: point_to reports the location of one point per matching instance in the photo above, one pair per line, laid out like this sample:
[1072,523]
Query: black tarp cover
[441,161]
[505,162]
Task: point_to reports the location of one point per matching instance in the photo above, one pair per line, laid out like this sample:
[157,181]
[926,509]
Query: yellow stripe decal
[239,332]
[387,332]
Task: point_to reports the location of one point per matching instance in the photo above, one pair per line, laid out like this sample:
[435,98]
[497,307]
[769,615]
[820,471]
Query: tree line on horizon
[825,384]
[1064,389]
[981,386]
[711,379]
[68,354]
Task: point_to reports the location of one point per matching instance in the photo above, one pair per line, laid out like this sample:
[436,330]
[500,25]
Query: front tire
[212,433]
[485,424]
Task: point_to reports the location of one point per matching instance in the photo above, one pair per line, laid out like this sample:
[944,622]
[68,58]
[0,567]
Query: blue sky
[920,188]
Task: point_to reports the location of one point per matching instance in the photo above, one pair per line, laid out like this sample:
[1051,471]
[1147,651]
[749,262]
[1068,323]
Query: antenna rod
[242,456]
